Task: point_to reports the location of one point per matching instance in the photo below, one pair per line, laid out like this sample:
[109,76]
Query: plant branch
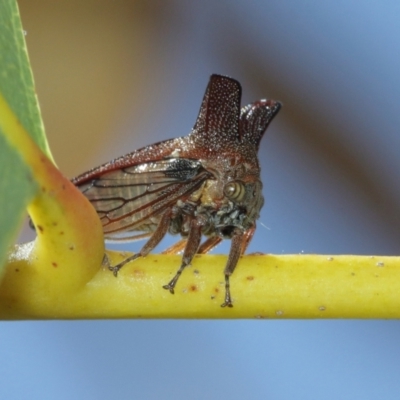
[267,286]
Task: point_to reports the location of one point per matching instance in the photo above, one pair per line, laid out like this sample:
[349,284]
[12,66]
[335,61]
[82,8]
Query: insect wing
[133,198]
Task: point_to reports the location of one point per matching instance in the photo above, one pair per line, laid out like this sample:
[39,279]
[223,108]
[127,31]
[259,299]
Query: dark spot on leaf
[54,264]
[216,290]
[193,288]
[250,278]
[40,228]
[16,270]
[61,232]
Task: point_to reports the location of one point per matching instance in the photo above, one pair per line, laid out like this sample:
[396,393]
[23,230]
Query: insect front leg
[155,238]
[239,243]
[192,245]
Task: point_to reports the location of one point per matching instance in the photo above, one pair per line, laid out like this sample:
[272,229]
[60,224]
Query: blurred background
[114,76]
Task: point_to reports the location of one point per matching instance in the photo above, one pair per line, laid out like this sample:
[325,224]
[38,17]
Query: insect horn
[255,118]
[219,112]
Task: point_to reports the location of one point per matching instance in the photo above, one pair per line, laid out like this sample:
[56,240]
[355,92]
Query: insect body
[206,183]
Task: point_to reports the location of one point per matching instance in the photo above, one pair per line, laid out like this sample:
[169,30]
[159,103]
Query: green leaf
[17,188]
[17,185]
[16,79]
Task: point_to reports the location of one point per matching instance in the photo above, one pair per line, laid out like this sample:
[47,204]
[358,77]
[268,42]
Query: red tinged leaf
[206,183]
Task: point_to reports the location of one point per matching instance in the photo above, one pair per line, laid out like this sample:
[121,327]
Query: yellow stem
[267,286]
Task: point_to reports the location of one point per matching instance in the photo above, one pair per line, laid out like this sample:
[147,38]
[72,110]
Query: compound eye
[235,190]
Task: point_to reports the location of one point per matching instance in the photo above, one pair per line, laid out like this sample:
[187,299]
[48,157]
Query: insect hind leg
[176,248]
[209,244]
[154,240]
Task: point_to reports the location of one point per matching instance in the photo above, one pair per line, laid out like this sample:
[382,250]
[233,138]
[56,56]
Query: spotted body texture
[206,183]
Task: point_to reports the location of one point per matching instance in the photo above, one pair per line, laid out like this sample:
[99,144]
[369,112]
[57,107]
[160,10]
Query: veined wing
[127,199]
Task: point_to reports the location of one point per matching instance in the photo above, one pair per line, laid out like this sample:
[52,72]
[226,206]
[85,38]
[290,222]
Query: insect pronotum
[206,183]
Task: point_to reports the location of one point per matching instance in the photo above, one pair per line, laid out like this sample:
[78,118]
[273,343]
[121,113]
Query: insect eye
[235,190]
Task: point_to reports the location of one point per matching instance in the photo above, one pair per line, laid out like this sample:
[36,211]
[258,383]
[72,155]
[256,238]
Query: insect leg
[239,241]
[155,238]
[193,242]
[176,248]
[209,244]
[247,236]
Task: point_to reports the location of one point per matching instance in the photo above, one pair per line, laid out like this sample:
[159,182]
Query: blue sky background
[115,76]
